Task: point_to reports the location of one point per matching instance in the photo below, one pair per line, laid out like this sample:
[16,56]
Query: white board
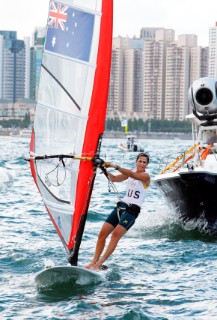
[68,274]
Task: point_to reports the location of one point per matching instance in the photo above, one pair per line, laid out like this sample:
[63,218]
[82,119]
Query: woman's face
[142,163]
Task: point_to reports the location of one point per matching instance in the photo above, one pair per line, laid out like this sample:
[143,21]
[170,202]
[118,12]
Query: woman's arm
[117,178]
[143,176]
[112,177]
[126,173]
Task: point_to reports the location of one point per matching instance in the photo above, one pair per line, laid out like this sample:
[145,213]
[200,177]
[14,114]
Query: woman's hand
[110,165]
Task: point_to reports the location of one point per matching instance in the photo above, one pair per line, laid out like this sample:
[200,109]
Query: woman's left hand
[107,165]
[110,165]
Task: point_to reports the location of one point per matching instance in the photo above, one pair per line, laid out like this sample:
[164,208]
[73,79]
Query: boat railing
[211,149]
[179,161]
[168,162]
[196,153]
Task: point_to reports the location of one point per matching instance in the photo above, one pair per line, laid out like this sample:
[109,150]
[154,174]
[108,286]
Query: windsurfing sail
[70,112]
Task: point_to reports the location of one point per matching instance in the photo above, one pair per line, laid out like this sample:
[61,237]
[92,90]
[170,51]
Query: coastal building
[199,63]
[27,67]
[17,110]
[148,33]
[133,82]
[20,66]
[126,90]
[177,77]
[213,51]
[37,48]
[150,76]
[116,88]
[13,66]
[154,73]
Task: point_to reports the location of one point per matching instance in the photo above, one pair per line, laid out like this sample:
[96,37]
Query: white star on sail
[53,41]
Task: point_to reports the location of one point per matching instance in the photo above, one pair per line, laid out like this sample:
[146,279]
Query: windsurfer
[123,216]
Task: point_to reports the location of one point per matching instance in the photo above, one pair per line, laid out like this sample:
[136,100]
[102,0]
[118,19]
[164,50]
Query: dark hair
[142,154]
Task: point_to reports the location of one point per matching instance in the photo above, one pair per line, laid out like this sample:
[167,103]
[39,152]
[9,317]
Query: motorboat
[189,181]
[26,133]
[130,144]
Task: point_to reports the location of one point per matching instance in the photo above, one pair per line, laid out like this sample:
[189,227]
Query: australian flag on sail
[69,32]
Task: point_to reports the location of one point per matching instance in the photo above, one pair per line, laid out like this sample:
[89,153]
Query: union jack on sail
[73,39]
[57,15]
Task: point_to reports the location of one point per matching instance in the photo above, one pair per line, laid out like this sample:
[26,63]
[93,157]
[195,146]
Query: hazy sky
[185,17]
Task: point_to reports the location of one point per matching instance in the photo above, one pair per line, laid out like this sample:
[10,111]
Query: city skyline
[129,17]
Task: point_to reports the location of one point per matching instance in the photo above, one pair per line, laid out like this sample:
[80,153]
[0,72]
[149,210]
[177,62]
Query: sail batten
[70,112]
[78,115]
[59,83]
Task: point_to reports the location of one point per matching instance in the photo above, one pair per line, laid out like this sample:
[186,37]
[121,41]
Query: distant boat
[189,182]
[26,133]
[130,144]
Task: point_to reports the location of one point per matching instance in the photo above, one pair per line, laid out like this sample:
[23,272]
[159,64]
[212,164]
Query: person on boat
[128,143]
[212,139]
[123,216]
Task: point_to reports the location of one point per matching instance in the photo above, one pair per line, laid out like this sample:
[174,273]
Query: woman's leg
[107,228]
[117,234]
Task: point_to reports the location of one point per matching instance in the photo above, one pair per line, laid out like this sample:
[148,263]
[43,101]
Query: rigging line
[60,84]
[115,189]
[110,183]
[48,181]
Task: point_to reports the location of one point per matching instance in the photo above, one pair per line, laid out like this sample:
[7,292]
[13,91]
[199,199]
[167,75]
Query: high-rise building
[213,51]
[199,63]
[148,33]
[15,76]
[116,87]
[174,57]
[13,67]
[150,77]
[177,77]
[27,67]
[170,67]
[154,73]
[36,59]
[125,90]
[133,81]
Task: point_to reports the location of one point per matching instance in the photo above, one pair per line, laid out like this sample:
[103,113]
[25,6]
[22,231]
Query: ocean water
[160,270]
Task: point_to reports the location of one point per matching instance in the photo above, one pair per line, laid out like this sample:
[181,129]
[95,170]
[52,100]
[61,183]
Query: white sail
[70,111]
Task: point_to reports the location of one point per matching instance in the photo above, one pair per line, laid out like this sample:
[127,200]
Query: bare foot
[97,266]
[91,265]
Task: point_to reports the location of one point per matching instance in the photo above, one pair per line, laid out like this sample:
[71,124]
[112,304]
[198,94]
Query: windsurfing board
[68,274]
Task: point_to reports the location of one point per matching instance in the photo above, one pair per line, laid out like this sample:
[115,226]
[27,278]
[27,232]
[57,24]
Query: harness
[131,209]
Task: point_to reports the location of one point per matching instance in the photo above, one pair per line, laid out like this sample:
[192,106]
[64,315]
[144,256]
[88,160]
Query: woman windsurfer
[122,218]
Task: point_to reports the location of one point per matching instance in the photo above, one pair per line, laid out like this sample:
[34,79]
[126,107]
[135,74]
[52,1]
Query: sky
[183,16]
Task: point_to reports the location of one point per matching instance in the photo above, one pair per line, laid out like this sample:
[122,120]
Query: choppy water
[159,270]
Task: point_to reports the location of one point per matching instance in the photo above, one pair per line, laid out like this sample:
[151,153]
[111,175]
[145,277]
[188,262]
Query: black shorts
[127,219]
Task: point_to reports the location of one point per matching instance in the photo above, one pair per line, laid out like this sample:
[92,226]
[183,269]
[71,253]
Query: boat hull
[192,194]
[134,148]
